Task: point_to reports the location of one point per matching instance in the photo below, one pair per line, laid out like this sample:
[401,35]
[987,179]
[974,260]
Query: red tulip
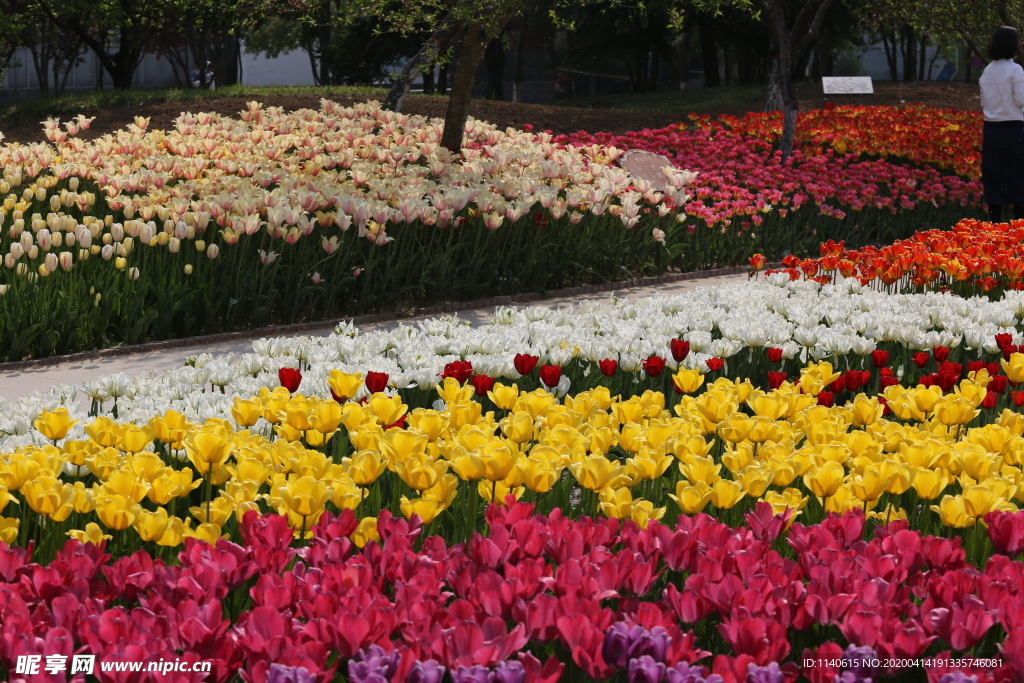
[550,375]
[1003,338]
[458,369]
[608,366]
[879,358]
[990,400]
[999,383]
[376,382]
[1009,350]
[920,358]
[290,378]
[1018,398]
[654,366]
[775,379]
[680,349]
[826,398]
[524,363]
[714,364]
[757,261]
[941,353]
[482,384]
[774,354]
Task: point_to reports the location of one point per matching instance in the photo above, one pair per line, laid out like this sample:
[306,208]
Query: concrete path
[17,383]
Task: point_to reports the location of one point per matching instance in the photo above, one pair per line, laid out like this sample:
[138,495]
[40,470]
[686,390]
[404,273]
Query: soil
[558,119]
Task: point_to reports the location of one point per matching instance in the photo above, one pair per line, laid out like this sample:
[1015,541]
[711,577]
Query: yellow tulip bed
[721,447]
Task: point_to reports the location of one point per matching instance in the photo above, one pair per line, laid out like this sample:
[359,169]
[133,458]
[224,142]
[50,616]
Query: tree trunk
[684,56]
[41,61]
[462,88]
[922,55]
[774,100]
[783,67]
[889,44]
[709,52]
[909,53]
[517,71]
[494,57]
[419,63]
[428,82]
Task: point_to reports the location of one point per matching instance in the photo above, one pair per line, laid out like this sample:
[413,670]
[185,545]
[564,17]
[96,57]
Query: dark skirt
[1002,162]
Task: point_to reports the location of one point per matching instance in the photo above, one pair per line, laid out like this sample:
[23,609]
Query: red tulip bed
[538,598]
[866,173]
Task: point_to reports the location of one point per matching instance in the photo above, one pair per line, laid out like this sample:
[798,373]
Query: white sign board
[847,85]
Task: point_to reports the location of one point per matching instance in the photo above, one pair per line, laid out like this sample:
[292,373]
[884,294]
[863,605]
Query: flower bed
[688,458]
[225,223]
[831,185]
[974,257]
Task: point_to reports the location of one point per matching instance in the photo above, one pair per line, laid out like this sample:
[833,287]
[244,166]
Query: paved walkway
[17,383]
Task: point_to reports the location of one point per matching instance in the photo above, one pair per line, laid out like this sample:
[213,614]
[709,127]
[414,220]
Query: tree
[130,24]
[789,35]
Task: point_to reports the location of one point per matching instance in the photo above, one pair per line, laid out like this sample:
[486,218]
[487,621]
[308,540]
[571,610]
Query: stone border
[279,330]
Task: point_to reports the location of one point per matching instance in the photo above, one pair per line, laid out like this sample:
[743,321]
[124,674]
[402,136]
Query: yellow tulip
[451,391]
[365,467]
[247,412]
[430,422]
[49,496]
[218,512]
[770,406]
[135,439]
[354,416]
[151,526]
[955,410]
[502,396]
[628,411]
[499,491]
[979,500]
[170,428]
[597,472]
[103,431]
[420,472]
[870,485]
[387,410]
[684,446]
[326,417]
[631,437]
[735,428]
[755,480]
[9,527]
[866,410]
[127,484]
[173,534]
[91,534]
[926,397]
[365,532]
[725,494]
[824,481]
[344,385]
[537,475]
[783,472]
[116,512]
[953,513]
[698,469]
[345,494]
[211,533]
[208,448]
[616,503]
[519,427]
[688,381]
[425,508]
[738,457]
[172,484]
[304,496]
[401,444]
[54,424]
[647,465]
[469,465]
[691,499]
[464,413]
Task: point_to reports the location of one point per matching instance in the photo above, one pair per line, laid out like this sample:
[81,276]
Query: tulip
[376,382]
[550,375]
[290,379]
[55,424]
[608,366]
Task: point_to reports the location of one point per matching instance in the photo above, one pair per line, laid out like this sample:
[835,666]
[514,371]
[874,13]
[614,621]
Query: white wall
[290,68]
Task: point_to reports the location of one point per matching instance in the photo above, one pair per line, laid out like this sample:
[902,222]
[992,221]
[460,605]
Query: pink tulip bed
[837,182]
[537,598]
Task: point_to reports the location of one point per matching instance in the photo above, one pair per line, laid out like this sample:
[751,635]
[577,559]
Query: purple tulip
[623,643]
[425,672]
[764,674]
[472,674]
[509,671]
[365,672]
[958,677]
[279,673]
[645,670]
[685,673]
[861,667]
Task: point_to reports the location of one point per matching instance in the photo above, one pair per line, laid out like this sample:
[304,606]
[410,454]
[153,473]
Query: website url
[31,665]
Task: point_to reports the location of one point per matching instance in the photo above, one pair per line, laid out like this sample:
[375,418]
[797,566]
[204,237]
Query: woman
[1002,150]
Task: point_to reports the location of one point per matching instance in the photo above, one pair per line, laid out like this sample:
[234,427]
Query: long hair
[1005,43]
